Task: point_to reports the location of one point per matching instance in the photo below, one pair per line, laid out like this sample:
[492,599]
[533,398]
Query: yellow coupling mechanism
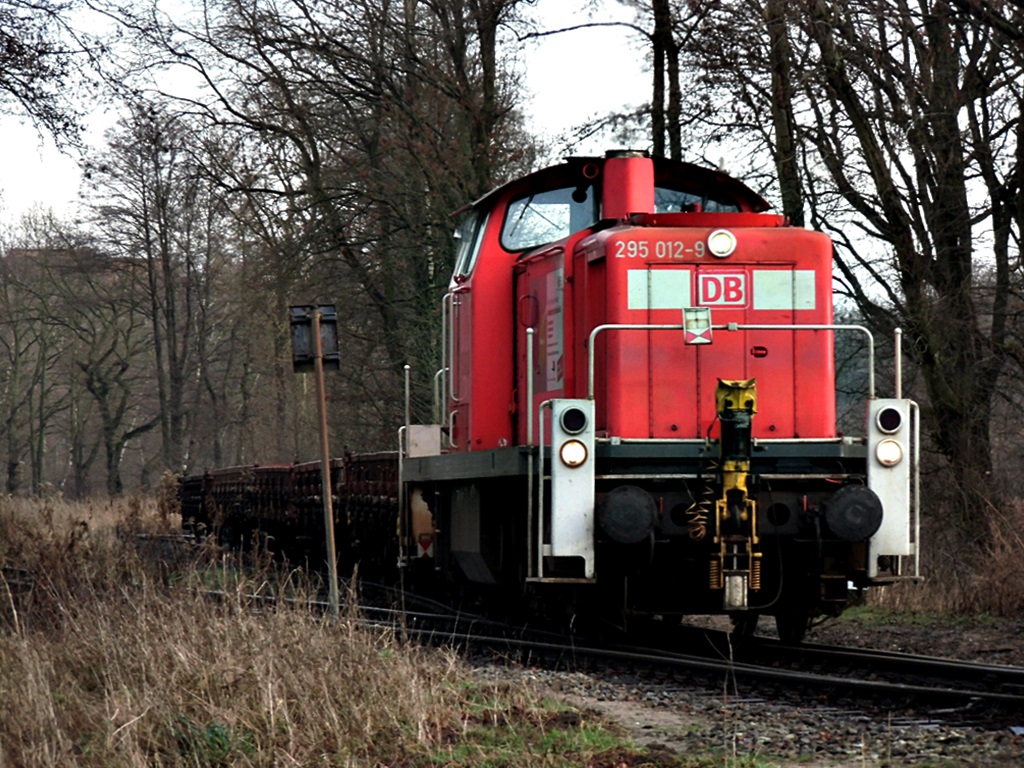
[736,566]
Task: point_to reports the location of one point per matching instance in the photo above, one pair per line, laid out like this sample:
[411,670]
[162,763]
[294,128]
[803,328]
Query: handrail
[446,362]
[403,451]
[453,391]
[917,490]
[529,456]
[407,371]
[451,429]
[898,362]
[729,327]
[440,389]
[529,385]
[540,504]
[403,437]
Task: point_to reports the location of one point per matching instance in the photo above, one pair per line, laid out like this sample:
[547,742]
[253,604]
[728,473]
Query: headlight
[889,453]
[573,453]
[721,243]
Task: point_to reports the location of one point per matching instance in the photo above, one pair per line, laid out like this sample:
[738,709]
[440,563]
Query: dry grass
[107,660]
[967,578]
[996,587]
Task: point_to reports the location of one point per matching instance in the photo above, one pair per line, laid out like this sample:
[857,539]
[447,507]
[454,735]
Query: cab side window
[468,237]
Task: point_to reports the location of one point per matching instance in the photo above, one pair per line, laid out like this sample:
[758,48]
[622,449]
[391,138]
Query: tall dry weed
[998,586]
[965,577]
[102,664]
[60,552]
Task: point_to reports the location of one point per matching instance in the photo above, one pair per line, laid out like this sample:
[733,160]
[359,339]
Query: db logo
[722,289]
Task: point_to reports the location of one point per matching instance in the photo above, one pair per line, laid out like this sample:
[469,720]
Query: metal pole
[403,451]
[898,362]
[325,464]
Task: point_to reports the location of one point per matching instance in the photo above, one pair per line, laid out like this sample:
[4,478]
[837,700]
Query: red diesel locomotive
[636,416]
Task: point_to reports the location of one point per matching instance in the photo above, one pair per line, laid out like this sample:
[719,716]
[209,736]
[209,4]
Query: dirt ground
[672,728]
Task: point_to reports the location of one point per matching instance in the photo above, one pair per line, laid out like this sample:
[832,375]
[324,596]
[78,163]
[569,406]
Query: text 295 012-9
[659,249]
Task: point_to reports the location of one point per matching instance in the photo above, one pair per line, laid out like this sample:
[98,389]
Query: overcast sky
[570,76]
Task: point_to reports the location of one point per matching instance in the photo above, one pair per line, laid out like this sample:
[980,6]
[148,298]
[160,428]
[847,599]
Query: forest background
[320,147]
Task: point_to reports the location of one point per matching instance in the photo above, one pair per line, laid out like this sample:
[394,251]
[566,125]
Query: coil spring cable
[698,514]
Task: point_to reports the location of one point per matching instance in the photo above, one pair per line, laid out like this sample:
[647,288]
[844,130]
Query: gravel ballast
[738,720]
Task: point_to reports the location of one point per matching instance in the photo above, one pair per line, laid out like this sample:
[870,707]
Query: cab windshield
[535,219]
[543,217]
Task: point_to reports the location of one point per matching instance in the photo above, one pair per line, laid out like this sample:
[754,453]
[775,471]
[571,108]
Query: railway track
[851,669]
[931,686]
[939,685]
[982,680]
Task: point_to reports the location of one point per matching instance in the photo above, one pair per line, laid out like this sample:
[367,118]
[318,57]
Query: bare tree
[376,120]
[74,331]
[101,309]
[911,182]
[155,206]
[22,342]
[34,388]
[39,65]
[894,126]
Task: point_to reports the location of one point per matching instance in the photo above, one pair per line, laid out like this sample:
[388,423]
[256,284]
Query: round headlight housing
[889,420]
[721,243]
[573,453]
[889,453]
[573,420]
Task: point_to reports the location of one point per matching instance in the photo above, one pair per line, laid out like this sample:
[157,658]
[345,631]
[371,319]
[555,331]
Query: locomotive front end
[701,332]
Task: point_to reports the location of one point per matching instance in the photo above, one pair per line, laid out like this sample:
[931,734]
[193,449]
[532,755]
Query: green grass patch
[877,616]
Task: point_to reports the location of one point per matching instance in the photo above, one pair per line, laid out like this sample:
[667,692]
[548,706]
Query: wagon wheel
[744,624]
[792,622]
[228,532]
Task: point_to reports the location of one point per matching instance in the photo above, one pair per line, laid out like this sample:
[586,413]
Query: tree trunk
[786,142]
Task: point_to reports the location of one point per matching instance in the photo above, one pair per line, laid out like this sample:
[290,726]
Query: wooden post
[325,465]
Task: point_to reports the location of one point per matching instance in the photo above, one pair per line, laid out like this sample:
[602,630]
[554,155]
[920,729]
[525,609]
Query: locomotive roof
[665,171]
